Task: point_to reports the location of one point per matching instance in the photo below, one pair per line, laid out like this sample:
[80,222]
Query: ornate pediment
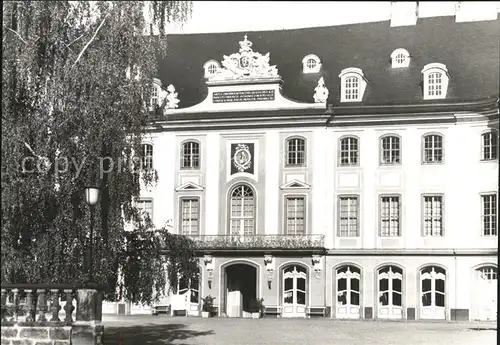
[246,64]
[295,184]
[189,186]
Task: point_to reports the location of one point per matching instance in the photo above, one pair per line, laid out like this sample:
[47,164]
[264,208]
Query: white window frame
[144,200]
[390,216]
[349,151]
[290,164]
[241,218]
[391,149]
[356,229]
[433,217]
[285,213]
[190,154]
[147,160]
[208,66]
[396,56]
[352,72]
[197,216]
[434,149]
[493,225]
[494,143]
[305,64]
[440,69]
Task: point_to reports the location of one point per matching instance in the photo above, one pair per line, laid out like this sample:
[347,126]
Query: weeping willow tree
[75,77]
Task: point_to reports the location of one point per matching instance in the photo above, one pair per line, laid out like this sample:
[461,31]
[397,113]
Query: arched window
[433,279]
[211,67]
[390,150]
[348,292]
[485,291]
[147,157]
[433,148]
[390,292]
[349,151]
[489,145]
[242,211]
[295,152]
[311,64]
[190,155]
[400,58]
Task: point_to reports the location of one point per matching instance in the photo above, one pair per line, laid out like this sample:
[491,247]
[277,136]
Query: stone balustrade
[46,314]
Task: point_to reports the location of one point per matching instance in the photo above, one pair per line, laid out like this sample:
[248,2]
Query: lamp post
[91,196]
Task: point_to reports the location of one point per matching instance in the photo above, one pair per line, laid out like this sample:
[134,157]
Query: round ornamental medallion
[242,158]
[244,62]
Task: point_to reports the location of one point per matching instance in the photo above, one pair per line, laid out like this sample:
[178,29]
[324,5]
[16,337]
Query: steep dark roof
[470,51]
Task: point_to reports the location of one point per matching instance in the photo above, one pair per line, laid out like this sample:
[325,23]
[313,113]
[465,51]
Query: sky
[230,16]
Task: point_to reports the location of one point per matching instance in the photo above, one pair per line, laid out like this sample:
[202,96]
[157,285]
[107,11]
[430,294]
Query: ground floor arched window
[485,293]
[432,291]
[390,293]
[348,280]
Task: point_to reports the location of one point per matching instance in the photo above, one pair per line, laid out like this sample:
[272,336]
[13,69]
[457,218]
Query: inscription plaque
[243,96]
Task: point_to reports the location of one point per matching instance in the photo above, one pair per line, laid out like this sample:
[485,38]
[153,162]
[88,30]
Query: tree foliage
[75,77]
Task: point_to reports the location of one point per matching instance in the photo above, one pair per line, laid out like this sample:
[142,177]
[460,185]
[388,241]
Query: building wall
[411,179]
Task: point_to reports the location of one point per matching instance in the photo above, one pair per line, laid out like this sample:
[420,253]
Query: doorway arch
[294,291]
[240,284]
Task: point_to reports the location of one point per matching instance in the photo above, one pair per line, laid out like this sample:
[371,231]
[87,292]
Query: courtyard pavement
[162,330]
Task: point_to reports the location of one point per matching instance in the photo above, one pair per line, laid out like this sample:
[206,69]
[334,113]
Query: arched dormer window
[353,85]
[295,152]
[400,58]
[210,67]
[190,155]
[436,78]
[311,64]
[155,93]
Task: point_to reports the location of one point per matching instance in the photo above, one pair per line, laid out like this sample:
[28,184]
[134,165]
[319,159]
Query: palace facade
[347,171]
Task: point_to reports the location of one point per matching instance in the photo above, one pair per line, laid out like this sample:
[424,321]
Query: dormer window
[353,85]
[311,64]
[211,67]
[436,80]
[400,58]
[155,93]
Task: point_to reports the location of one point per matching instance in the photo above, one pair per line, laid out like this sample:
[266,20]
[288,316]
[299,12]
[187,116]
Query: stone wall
[20,334]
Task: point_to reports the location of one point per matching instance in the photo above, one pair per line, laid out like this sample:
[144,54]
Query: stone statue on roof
[321,92]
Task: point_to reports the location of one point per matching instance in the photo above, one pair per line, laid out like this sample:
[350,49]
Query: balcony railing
[315,241]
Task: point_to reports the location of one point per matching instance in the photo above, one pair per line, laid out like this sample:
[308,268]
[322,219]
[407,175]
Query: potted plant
[208,306]
[257,308]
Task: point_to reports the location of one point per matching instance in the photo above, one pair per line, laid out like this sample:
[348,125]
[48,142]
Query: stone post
[88,329]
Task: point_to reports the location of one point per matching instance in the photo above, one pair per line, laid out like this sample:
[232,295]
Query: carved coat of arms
[241,157]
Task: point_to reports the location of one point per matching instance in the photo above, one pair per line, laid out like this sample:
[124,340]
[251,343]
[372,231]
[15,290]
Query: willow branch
[14,31]
[90,41]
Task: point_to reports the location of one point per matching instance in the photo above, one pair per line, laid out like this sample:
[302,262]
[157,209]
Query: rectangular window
[295,215]
[190,217]
[390,209]
[390,150]
[145,208]
[435,84]
[348,216]
[433,215]
[351,88]
[489,145]
[489,214]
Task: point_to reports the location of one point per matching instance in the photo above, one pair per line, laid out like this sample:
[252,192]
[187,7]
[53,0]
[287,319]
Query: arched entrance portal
[486,293]
[241,287]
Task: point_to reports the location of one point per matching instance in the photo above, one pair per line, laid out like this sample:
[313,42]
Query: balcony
[259,242]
